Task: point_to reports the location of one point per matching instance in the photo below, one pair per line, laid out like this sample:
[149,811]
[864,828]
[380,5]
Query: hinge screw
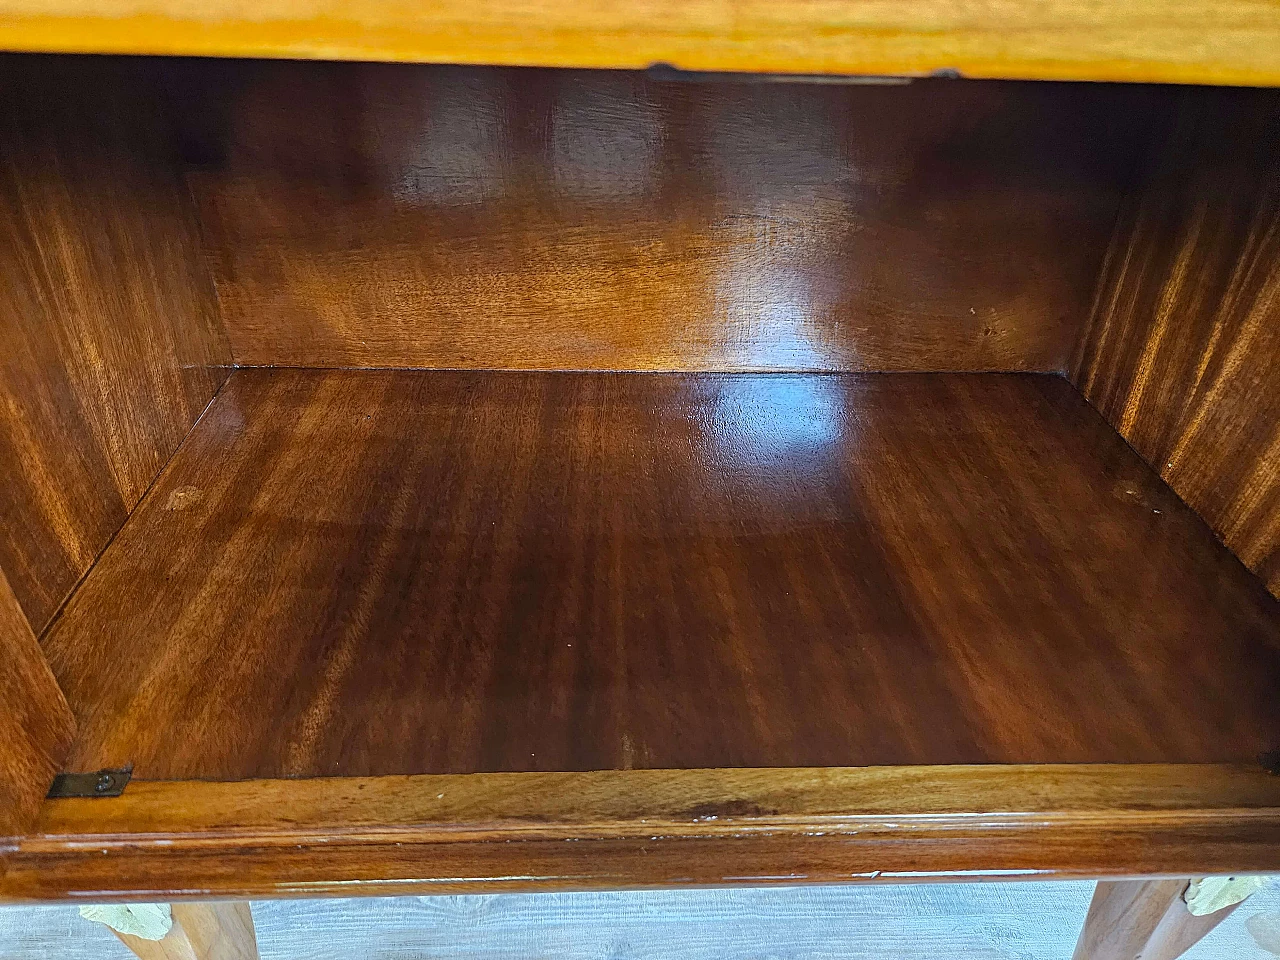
[105,782]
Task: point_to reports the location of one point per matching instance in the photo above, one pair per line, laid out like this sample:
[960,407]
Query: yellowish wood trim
[1180,41]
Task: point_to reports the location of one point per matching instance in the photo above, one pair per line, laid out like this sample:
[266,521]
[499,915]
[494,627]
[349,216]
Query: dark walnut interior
[365,419]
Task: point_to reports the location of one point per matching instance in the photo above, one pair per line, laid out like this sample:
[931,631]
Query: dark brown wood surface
[108,320]
[380,572]
[612,829]
[1182,353]
[381,215]
[36,725]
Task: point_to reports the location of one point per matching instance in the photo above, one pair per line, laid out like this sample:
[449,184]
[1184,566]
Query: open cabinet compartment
[435,465]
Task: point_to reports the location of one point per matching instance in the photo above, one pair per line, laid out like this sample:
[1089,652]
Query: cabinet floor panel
[375,572]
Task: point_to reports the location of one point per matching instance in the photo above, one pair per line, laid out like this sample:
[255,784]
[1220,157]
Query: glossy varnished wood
[36,724]
[111,341]
[386,216]
[378,572]
[1195,41]
[610,829]
[1182,353]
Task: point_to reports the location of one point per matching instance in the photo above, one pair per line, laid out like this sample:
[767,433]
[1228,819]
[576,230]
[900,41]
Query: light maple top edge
[1209,41]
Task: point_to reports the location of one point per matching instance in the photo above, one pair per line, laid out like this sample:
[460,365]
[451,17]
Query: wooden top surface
[395,572]
[1205,41]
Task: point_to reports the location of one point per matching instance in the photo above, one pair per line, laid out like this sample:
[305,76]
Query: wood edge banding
[1202,42]
[638,828]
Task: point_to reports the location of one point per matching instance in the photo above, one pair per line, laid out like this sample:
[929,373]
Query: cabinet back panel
[384,215]
[111,340]
[1182,354]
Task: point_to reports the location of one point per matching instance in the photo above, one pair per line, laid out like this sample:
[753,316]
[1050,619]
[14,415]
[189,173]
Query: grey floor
[1004,921]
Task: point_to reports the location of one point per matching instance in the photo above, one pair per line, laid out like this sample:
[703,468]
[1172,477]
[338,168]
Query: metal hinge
[103,783]
[1271,761]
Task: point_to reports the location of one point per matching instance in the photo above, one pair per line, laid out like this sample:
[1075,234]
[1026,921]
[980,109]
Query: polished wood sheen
[1182,353]
[1194,41]
[382,572]
[111,340]
[36,725]
[391,216]
[613,829]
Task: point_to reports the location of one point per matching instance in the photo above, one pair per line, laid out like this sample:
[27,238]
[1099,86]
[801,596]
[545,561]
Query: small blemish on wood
[184,498]
[727,809]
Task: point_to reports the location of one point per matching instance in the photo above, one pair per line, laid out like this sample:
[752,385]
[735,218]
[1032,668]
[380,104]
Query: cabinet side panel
[36,725]
[383,216]
[112,344]
[1182,353]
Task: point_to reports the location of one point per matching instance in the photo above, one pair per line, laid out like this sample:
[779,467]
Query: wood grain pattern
[614,829]
[1205,41]
[202,931]
[1182,353]
[384,572]
[1123,915]
[1179,930]
[112,344]
[385,216]
[36,725]
[1142,920]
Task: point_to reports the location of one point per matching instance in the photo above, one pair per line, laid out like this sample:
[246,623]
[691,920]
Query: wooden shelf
[366,573]
[389,631]
[1207,41]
